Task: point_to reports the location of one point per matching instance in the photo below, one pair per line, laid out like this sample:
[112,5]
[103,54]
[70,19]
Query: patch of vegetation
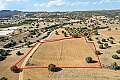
[106,45]
[97,52]
[10,44]
[17,24]
[114,66]
[53,68]
[118,51]
[19,53]
[104,40]
[99,42]
[28,44]
[89,59]
[77,32]
[4,54]
[101,46]
[115,56]
[15,69]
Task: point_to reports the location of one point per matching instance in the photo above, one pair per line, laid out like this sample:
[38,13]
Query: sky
[59,5]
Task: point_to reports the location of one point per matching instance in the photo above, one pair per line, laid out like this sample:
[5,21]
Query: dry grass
[106,57]
[72,74]
[63,53]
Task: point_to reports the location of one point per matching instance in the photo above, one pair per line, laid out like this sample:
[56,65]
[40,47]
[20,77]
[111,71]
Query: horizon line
[62,11]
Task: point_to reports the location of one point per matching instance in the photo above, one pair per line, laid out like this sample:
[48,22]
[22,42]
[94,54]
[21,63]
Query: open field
[106,57]
[113,33]
[62,53]
[71,52]
[72,74]
[8,62]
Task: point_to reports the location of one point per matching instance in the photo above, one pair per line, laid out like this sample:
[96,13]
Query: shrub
[15,69]
[114,66]
[118,51]
[20,41]
[25,40]
[108,39]
[103,40]
[89,60]
[106,45]
[97,38]
[51,67]
[2,57]
[19,53]
[33,32]
[11,44]
[97,53]
[99,42]
[63,32]
[4,52]
[111,38]
[38,41]
[111,42]
[96,33]
[115,56]
[56,33]
[101,46]
[90,39]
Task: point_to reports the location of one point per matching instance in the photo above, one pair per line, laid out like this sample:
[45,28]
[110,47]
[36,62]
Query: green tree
[106,45]
[51,67]
[19,53]
[114,66]
[89,59]
[118,51]
[115,56]
[103,40]
[101,46]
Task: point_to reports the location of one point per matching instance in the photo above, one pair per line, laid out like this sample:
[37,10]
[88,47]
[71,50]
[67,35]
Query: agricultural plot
[72,74]
[64,53]
[71,52]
